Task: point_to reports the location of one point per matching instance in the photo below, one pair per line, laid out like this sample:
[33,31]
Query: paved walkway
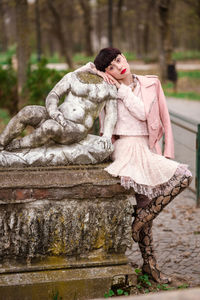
[177,240]
[187,65]
[139,65]
[187,108]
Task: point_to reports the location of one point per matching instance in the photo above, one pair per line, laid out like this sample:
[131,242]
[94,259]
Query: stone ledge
[25,195]
[56,176]
[71,284]
[95,259]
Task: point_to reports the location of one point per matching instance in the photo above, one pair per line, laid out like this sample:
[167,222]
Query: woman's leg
[149,212]
[146,244]
[147,251]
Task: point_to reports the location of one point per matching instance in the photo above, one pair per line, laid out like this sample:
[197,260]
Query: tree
[4,40]
[147,20]
[87,17]
[195,5]
[38,29]
[59,31]
[119,23]
[110,29]
[164,35]
[23,51]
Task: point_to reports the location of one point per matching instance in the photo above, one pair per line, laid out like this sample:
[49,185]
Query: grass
[6,56]
[186,55]
[51,59]
[80,58]
[144,285]
[188,81]
[190,74]
[4,119]
[183,95]
[189,95]
[4,116]
[130,56]
[188,86]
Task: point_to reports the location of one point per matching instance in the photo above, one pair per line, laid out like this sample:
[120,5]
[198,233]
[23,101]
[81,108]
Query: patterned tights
[142,227]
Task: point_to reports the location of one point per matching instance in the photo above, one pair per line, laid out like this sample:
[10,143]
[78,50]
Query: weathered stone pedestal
[63,231]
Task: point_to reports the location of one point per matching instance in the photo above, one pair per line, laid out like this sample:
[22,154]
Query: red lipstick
[123,71]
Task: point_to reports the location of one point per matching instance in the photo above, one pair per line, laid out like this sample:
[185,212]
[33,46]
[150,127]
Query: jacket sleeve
[165,119]
[133,103]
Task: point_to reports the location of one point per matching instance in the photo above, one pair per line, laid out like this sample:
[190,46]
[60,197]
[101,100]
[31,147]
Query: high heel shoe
[156,274]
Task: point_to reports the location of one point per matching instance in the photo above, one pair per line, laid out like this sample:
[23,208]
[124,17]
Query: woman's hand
[108,78]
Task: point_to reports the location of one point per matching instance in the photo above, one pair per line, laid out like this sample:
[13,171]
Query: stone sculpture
[63,226]
[61,132]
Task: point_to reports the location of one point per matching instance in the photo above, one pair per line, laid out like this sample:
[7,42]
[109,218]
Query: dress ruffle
[146,172]
[161,189]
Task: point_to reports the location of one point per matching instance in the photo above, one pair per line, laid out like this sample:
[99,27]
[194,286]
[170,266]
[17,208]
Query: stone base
[63,230]
[79,284]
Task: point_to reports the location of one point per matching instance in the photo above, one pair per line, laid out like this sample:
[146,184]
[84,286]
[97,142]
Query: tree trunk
[59,32]
[85,5]
[148,10]
[120,31]
[164,36]
[23,51]
[38,30]
[110,14]
[4,40]
[139,26]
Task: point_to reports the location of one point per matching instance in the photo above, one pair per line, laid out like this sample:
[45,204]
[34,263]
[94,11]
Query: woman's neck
[127,80]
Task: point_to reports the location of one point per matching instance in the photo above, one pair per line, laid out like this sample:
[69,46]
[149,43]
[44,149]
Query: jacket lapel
[148,94]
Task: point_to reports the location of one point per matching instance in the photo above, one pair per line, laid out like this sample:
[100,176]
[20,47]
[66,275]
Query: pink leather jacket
[157,115]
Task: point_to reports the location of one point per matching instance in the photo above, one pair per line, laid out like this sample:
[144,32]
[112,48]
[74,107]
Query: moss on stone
[86,77]
[100,241]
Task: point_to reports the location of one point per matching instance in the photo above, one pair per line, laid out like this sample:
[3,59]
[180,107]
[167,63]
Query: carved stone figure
[68,124]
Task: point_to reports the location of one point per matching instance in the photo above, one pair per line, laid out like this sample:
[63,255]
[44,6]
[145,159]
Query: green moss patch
[86,77]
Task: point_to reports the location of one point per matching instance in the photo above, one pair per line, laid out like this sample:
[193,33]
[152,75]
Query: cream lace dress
[146,172]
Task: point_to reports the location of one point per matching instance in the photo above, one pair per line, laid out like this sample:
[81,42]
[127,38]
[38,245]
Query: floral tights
[142,226]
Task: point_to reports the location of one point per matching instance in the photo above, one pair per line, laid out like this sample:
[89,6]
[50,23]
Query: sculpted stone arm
[89,67]
[109,123]
[110,118]
[52,100]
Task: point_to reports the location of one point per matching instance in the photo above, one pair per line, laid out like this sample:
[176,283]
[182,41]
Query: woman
[142,118]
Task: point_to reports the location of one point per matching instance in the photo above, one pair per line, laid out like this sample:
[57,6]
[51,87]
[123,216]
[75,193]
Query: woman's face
[119,67]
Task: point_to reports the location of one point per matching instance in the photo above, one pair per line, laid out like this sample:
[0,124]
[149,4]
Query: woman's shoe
[156,274]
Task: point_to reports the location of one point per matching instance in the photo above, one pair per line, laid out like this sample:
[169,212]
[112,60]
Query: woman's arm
[133,103]
[165,118]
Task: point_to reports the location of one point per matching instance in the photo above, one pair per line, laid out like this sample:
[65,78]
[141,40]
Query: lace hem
[161,189]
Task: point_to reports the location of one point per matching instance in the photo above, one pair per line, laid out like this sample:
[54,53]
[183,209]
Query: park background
[42,40]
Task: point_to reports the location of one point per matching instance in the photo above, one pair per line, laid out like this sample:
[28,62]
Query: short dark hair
[105,57]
